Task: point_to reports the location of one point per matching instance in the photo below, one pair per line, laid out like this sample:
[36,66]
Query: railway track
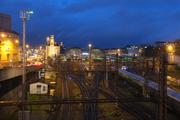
[89,108]
[135,109]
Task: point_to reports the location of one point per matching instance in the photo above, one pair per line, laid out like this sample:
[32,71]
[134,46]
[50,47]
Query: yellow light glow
[27,46]
[52,91]
[118,51]
[170,48]
[52,82]
[3,35]
[16,41]
[7,43]
[9,48]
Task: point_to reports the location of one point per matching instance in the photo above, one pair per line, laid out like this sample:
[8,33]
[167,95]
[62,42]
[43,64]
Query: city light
[7,43]
[104,70]
[3,35]
[27,46]
[118,51]
[89,45]
[16,41]
[170,48]
[29,12]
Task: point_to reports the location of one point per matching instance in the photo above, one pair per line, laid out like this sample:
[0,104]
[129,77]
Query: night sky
[104,23]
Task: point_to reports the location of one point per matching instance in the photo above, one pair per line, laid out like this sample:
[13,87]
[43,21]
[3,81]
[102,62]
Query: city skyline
[89,60]
[105,24]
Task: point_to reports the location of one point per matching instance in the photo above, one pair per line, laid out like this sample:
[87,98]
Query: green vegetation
[112,112]
[38,98]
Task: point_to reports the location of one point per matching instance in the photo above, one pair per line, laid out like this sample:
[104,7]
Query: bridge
[10,78]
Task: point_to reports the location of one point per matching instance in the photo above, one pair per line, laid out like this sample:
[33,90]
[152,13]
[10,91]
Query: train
[173,99]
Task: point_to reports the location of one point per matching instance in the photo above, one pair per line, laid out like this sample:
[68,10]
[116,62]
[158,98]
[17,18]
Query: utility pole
[24,15]
[117,74]
[145,75]
[90,60]
[106,72]
[162,105]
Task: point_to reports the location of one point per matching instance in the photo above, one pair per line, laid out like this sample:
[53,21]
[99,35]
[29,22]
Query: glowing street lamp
[170,48]
[17,41]
[90,51]
[118,52]
[27,46]
[89,45]
[3,35]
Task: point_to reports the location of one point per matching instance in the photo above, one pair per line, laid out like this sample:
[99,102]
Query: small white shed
[38,88]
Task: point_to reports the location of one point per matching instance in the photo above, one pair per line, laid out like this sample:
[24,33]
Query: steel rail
[78,101]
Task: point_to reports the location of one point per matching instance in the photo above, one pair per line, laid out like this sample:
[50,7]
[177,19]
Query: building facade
[133,51]
[38,88]
[9,43]
[52,49]
[9,48]
[114,51]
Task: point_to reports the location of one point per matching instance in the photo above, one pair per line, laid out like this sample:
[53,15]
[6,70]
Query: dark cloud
[105,23]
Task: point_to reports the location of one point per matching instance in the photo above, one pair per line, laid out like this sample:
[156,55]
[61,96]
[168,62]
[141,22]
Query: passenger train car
[173,96]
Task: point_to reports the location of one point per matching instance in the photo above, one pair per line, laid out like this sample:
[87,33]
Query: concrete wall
[6,74]
[9,73]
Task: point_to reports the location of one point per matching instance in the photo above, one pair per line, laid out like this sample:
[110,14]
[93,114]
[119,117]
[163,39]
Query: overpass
[10,78]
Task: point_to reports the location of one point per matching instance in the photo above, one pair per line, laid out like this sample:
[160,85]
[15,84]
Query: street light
[118,52]
[3,35]
[170,48]
[27,46]
[17,41]
[89,45]
[24,15]
[90,51]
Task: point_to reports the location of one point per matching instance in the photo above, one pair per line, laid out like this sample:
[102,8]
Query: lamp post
[90,57]
[170,48]
[117,74]
[162,87]
[24,15]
